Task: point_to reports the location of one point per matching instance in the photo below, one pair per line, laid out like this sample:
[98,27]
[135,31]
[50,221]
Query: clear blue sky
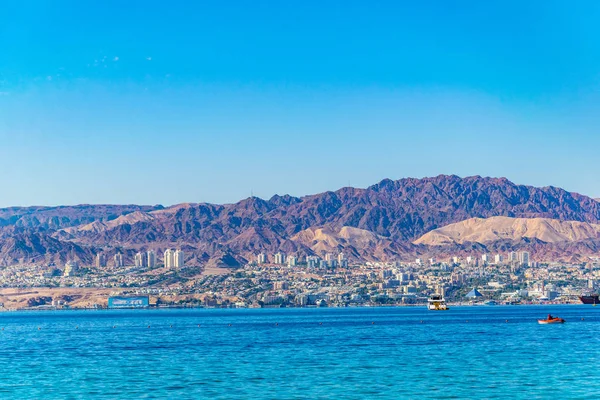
[188,101]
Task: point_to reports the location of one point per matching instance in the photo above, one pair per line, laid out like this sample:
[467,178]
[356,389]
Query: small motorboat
[551,320]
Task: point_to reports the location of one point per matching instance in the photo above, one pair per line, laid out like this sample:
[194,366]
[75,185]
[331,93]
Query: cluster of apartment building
[147,259]
[171,259]
[101,261]
[521,259]
[328,261]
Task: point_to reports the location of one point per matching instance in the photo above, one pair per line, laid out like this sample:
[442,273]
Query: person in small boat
[550,317]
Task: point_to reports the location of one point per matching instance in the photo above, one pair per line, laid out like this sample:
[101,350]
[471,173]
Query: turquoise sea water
[356,353]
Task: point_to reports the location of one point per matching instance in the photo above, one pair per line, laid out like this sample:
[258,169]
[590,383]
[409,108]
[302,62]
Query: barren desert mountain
[354,242]
[65,216]
[328,240]
[100,226]
[380,222]
[494,229]
[27,246]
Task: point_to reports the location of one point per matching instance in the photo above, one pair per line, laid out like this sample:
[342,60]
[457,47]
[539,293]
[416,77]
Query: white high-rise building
[312,261]
[279,258]
[178,259]
[485,258]
[151,259]
[169,258]
[469,260]
[292,261]
[71,268]
[139,260]
[498,258]
[524,260]
[100,260]
[513,257]
[342,261]
[261,259]
[118,259]
[330,260]
[456,260]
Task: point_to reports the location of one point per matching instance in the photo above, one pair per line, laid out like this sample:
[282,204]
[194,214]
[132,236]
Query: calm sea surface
[355,353]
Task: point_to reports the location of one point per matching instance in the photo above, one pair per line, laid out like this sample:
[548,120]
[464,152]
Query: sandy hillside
[485,230]
[75,297]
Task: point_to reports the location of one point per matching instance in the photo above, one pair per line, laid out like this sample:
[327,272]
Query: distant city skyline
[115,102]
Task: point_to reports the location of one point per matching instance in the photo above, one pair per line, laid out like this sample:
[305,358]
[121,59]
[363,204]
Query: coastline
[153,308]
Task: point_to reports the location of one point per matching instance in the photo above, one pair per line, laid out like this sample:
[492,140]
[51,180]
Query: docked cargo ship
[590,299]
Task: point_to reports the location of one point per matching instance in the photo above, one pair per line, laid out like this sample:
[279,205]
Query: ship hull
[551,321]
[594,299]
[437,307]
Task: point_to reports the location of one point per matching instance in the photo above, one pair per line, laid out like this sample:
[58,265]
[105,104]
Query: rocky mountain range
[385,221]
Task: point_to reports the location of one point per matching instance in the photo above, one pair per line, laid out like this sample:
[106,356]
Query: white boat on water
[436,302]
